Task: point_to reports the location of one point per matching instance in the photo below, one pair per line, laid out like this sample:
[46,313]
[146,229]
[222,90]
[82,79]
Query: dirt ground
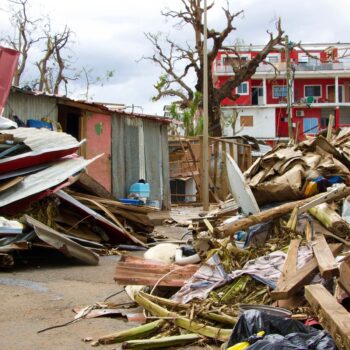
[43,293]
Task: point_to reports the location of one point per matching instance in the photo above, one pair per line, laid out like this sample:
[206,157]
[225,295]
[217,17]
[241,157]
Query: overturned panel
[62,243]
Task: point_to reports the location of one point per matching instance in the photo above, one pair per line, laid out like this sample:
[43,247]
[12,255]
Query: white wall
[263,122]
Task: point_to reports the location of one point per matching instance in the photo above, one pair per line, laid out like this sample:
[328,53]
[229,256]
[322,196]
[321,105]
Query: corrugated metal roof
[103,107]
[41,140]
[45,179]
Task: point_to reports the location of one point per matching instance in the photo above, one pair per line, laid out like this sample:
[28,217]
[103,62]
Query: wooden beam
[325,259]
[270,214]
[302,277]
[290,264]
[323,197]
[333,317]
[344,272]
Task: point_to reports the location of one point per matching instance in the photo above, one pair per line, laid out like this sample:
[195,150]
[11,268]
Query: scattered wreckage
[255,275]
[271,275]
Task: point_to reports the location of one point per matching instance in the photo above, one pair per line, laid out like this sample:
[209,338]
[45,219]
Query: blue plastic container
[140,189]
[32,123]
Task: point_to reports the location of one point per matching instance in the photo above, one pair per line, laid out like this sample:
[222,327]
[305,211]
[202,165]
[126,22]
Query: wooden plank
[333,317]
[290,264]
[302,277]
[344,274]
[92,186]
[325,259]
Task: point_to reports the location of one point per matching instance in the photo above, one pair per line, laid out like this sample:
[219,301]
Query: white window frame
[277,54]
[273,92]
[248,56]
[304,58]
[243,93]
[313,85]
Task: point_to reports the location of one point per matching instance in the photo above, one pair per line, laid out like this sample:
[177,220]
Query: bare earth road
[35,297]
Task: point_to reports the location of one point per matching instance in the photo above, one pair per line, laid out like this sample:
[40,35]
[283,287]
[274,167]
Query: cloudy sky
[109,35]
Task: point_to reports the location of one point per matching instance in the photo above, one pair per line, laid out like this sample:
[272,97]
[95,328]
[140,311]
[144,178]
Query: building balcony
[220,69]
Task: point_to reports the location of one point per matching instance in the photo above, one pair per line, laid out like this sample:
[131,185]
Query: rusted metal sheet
[139,271]
[62,243]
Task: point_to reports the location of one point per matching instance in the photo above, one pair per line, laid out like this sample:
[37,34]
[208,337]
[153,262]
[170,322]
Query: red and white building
[261,107]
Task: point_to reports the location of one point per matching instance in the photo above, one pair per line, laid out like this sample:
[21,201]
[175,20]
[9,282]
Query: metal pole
[289,100]
[205,175]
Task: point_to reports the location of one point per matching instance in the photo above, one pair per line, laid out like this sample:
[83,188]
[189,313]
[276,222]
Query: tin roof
[103,108]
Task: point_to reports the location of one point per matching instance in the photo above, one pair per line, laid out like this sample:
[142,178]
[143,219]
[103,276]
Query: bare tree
[53,64]
[24,36]
[179,61]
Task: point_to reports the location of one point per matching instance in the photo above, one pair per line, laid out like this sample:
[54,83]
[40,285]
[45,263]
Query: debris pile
[270,277]
[40,174]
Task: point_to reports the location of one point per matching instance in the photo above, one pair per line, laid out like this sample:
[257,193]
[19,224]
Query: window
[312,90]
[246,120]
[273,58]
[243,89]
[279,91]
[310,126]
[234,61]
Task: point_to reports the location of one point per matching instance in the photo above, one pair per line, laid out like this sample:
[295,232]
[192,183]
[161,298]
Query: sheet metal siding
[126,157]
[153,159]
[165,168]
[118,157]
[131,147]
[30,107]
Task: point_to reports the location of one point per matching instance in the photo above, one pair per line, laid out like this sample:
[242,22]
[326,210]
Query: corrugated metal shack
[135,146]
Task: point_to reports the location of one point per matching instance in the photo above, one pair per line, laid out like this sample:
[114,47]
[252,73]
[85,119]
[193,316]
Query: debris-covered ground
[267,268]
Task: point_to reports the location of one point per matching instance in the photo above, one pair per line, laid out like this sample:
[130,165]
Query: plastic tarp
[281,333]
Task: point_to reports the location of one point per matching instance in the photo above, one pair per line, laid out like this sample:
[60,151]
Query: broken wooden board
[344,274]
[139,271]
[91,186]
[302,277]
[4,186]
[326,263]
[290,264]
[332,316]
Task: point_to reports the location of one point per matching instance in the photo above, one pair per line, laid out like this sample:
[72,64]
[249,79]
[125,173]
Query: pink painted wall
[98,135]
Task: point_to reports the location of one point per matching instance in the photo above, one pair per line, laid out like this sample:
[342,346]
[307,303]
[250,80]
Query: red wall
[98,135]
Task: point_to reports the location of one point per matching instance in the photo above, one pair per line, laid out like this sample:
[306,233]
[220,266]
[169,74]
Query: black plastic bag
[281,333]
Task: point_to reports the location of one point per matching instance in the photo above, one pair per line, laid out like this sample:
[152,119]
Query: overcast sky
[109,35]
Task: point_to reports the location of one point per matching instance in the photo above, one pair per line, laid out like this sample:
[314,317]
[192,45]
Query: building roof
[95,106]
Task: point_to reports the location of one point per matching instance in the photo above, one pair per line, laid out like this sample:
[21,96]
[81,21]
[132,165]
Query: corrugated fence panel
[153,159]
[26,106]
[118,157]
[131,147]
[165,167]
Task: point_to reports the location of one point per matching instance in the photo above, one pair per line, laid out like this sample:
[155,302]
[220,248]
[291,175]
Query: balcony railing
[281,67]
